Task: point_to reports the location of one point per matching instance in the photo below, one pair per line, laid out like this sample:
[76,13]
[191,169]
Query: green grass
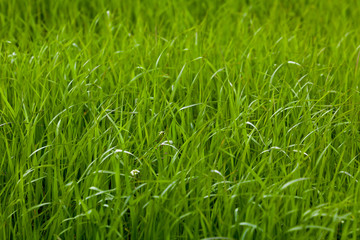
[243,118]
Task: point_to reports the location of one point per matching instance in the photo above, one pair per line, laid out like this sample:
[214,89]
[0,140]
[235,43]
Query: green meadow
[174,119]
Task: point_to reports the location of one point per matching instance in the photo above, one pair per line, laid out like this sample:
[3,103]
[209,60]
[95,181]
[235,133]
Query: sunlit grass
[179,119]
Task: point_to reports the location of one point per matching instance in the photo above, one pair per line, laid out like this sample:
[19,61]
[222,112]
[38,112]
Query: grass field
[179,119]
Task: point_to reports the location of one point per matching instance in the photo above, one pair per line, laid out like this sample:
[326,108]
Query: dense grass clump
[179,119]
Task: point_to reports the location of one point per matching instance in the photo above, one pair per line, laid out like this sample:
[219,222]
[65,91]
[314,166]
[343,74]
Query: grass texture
[180,119]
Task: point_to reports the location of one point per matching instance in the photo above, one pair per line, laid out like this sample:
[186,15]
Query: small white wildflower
[134,172]
[161,133]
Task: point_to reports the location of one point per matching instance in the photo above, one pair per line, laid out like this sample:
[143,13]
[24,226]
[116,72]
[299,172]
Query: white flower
[134,172]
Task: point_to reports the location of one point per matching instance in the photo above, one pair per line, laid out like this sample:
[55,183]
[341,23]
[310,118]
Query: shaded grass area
[242,118]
